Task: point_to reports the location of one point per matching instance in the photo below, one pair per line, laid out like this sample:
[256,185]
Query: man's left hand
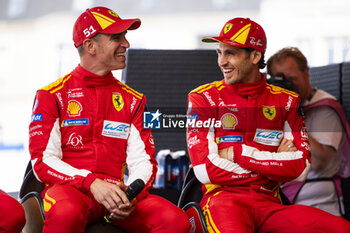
[287,146]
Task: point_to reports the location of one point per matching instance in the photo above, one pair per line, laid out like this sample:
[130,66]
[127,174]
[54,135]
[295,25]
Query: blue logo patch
[37,117]
[115,129]
[268,137]
[229,139]
[192,117]
[151,120]
[73,122]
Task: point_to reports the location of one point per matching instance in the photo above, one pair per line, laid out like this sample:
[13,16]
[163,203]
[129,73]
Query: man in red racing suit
[244,138]
[86,128]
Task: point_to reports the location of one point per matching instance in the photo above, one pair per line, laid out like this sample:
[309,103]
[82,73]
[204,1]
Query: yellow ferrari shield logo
[118,101]
[113,13]
[227,28]
[269,112]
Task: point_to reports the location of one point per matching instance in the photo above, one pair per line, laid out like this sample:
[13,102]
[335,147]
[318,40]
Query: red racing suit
[86,126]
[254,119]
[241,187]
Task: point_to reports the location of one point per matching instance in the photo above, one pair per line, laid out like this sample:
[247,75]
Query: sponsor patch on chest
[235,138]
[74,122]
[115,129]
[268,137]
[37,117]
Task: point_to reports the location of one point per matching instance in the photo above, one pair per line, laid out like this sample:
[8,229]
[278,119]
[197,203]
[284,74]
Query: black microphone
[134,189]
[131,192]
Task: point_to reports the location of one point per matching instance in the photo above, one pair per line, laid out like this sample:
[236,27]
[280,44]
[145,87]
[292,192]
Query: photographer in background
[326,126]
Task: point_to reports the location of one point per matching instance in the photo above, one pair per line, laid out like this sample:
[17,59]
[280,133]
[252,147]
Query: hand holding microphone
[131,192]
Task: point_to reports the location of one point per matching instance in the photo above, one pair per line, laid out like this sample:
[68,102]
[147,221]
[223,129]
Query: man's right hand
[226,153]
[111,196]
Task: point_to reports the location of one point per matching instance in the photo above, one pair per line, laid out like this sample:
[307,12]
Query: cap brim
[209,39]
[135,24]
[123,25]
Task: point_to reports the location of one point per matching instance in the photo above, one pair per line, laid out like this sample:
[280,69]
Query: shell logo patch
[269,112]
[74,108]
[118,101]
[229,121]
[228,27]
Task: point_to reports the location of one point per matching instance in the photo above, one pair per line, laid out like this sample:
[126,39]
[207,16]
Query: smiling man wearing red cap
[261,142]
[86,128]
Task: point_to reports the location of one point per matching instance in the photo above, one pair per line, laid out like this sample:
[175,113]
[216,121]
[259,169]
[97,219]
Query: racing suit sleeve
[45,147]
[282,166]
[208,166]
[141,152]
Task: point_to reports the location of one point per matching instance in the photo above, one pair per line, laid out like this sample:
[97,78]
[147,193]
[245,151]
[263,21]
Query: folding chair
[33,207]
[191,195]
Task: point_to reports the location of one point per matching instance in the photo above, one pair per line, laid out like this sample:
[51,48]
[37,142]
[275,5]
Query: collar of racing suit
[92,80]
[248,89]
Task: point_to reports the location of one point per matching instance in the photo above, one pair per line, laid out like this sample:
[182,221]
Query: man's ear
[307,75]
[89,46]
[255,56]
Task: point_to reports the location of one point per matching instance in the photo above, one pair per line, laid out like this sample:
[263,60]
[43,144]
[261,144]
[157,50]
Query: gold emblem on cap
[228,27]
[242,34]
[269,112]
[103,20]
[118,101]
[229,121]
[113,13]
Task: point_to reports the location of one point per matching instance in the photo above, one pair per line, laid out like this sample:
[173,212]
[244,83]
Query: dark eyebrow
[117,35]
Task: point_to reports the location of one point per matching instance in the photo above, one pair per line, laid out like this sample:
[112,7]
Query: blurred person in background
[326,126]
[86,128]
[12,217]
[260,143]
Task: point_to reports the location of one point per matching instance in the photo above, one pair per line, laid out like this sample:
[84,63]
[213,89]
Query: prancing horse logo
[118,101]
[269,112]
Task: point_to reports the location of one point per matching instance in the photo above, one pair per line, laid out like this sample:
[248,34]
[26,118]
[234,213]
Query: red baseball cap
[241,32]
[100,20]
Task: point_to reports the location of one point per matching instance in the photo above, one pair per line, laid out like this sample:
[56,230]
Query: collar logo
[118,101]
[229,121]
[227,28]
[269,112]
[74,108]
